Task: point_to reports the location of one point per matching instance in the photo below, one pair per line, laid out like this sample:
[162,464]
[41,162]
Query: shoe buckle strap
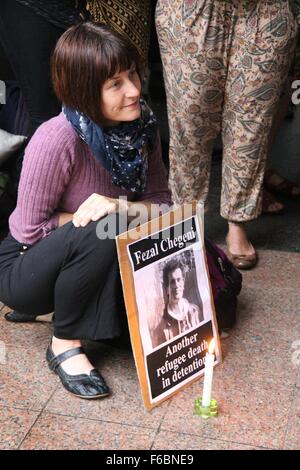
[57,360]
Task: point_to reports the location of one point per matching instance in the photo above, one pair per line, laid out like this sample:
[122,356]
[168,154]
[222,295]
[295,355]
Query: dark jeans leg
[72,272]
[28,41]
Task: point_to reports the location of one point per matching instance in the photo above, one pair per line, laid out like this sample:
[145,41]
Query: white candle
[208,374]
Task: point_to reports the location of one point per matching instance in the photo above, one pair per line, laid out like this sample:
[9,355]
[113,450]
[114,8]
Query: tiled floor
[257,386]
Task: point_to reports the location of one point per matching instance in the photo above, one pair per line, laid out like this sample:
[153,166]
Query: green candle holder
[206,411]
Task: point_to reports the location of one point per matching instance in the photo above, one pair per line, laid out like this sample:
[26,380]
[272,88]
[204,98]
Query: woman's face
[120,97]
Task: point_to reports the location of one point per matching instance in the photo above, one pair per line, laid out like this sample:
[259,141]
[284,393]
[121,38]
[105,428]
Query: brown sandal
[242,261]
[285,188]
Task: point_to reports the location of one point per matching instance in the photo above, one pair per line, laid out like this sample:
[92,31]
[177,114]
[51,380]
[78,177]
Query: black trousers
[28,41]
[71,272]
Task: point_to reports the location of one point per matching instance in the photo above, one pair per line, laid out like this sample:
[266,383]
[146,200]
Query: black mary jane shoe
[18,317]
[82,385]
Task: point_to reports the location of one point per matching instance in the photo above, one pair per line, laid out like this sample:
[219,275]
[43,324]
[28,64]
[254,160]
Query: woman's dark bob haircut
[85,56]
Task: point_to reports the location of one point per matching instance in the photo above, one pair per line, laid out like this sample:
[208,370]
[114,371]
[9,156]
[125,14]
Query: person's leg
[273,182]
[194,76]
[80,288]
[71,279]
[258,67]
[28,41]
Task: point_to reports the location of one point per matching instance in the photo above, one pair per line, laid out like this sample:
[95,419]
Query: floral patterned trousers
[225,63]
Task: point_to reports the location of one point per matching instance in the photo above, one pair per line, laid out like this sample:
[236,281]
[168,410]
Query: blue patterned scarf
[122,150]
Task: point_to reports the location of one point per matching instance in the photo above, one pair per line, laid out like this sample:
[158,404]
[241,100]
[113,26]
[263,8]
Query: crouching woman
[103,145]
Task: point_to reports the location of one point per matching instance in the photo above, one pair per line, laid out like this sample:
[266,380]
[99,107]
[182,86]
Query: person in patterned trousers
[225,62]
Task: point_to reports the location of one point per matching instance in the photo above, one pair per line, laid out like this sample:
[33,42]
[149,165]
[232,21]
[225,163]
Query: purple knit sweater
[60,172]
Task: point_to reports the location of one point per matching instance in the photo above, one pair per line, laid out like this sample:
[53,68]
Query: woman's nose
[132,90]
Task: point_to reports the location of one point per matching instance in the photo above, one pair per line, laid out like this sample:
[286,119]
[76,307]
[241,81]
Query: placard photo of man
[180,313]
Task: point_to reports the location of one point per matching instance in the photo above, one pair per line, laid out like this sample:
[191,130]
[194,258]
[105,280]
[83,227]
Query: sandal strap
[284,188]
[285,185]
[57,360]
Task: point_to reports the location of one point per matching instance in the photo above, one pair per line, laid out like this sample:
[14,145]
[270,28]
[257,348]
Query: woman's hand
[94,208]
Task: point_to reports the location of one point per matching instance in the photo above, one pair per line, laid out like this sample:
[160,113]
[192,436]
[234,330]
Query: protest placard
[168,301]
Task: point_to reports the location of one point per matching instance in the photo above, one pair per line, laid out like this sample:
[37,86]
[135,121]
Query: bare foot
[237,241]
[270,205]
[74,365]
